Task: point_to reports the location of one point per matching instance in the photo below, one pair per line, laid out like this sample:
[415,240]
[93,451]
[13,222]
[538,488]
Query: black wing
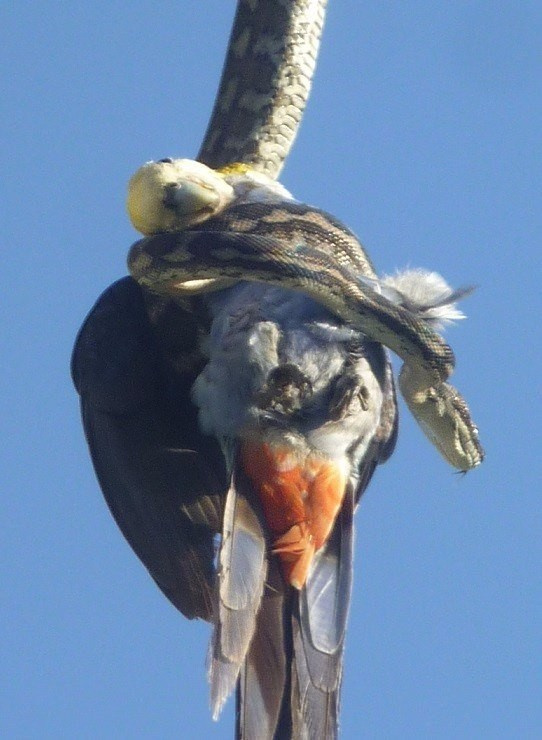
[133,365]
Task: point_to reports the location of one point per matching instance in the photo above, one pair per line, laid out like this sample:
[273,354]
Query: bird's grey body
[256,329]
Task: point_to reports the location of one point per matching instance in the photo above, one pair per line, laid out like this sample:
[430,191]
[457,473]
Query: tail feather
[319,631]
[315,710]
[264,677]
[325,599]
[242,571]
[290,683]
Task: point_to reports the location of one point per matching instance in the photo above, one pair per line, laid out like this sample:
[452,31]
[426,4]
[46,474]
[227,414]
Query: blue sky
[423,135]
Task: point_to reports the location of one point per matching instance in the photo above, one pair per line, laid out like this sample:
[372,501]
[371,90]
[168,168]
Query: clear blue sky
[423,135]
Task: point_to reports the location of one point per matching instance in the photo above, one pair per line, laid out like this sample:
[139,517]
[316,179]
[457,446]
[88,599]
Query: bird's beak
[189,198]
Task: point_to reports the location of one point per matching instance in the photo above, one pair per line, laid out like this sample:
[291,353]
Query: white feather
[425,293]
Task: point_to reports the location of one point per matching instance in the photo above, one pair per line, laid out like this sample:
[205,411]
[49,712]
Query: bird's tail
[289,684]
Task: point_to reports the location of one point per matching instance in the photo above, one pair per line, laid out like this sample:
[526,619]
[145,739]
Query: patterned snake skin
[265,83]
[305,249]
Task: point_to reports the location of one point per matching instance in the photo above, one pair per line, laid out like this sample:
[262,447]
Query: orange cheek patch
[300,500]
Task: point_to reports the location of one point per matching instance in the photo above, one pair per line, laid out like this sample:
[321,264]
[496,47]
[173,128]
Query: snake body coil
[305,249]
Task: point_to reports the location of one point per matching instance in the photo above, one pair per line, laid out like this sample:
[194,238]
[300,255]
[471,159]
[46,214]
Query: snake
[262,94]
[265,84]
[215,237]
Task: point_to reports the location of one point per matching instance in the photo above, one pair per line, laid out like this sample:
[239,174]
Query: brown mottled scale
[295,246]
[265,83]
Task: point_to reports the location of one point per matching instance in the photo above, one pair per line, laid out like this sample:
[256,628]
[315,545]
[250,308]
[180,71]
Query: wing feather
[161,478]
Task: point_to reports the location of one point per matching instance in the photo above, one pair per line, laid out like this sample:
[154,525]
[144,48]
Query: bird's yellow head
[173,194]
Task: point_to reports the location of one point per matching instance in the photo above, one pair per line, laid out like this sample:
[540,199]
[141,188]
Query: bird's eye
[166,160]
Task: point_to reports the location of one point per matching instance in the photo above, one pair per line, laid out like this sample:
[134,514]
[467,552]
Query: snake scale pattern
[265,83]
[305,249]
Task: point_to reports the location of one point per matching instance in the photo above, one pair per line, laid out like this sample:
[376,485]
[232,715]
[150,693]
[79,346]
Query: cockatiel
[249,411]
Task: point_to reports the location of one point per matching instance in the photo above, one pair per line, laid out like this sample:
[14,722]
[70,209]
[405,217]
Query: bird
[303,409]
[291,407]
[135,351]
[234,425]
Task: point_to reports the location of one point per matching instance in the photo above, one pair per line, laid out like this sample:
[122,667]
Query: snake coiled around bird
[305,249]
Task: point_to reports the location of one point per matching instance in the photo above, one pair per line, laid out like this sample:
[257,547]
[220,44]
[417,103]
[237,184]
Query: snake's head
[173,194]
